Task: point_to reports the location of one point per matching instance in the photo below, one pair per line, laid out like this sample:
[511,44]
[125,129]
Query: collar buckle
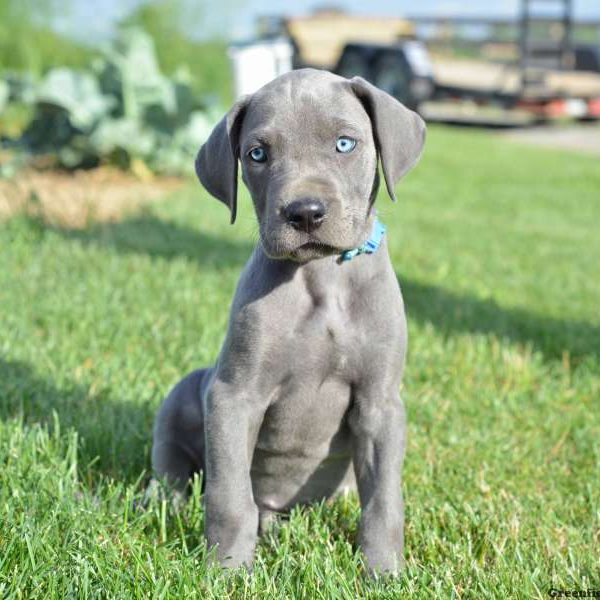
[370,246]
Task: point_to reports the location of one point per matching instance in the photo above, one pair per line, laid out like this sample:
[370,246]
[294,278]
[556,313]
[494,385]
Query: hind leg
[178,445]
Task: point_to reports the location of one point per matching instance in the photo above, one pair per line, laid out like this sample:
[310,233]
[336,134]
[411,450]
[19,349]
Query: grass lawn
[497,248]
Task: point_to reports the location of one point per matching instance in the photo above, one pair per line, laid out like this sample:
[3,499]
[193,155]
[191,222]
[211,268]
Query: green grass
[497,250]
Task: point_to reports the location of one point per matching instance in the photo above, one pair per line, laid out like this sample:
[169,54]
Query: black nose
[305,215]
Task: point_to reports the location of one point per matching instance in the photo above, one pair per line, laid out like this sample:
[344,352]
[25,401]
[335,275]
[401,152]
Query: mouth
[318,247]
[301,247]
[305,252]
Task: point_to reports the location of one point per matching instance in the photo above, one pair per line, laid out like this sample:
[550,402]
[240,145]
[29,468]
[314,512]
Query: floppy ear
[217,160]
[399,132]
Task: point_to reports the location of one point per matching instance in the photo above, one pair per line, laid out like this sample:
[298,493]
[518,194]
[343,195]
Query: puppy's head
[309,143]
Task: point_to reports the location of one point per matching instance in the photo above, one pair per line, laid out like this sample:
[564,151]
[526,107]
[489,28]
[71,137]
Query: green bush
[122,109]
[170,23]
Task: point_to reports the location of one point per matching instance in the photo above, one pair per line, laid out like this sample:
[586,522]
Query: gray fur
[303,402]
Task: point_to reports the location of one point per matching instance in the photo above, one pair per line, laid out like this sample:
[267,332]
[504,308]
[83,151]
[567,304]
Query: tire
[354,62]
[392,75]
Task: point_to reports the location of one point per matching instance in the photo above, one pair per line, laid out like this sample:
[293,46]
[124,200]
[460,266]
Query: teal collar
[370,246]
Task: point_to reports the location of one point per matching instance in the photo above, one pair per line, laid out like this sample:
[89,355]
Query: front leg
[231,426]
[379,428]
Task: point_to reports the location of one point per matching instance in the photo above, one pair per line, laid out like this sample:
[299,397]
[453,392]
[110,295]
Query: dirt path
[73,199]
[582,138]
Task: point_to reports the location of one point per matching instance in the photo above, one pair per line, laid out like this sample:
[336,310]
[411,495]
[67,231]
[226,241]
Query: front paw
[382,555]
[383,562]
[229,560]
[231,538]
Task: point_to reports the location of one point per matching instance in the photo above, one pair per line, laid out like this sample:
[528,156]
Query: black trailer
[536,85]
[404,70]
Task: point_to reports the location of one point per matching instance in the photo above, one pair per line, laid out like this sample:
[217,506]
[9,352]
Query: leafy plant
[4,95]
[183,32]
[122,109]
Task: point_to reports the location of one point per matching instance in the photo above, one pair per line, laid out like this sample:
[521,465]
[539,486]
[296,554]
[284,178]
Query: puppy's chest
[324,338]
[316,364]
[309,374]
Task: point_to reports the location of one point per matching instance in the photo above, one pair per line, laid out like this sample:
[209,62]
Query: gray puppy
[303,402]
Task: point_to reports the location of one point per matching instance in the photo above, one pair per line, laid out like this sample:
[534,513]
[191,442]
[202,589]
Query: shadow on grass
[147,234]
[450,313]
[114,435]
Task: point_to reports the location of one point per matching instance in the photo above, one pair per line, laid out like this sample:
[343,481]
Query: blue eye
[258,154]
[345,144]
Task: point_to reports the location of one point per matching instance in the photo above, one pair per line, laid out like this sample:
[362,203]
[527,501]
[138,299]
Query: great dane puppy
[303,401]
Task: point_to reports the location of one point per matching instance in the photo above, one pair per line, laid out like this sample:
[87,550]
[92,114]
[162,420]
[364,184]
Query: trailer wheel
[391,73]
[354,62]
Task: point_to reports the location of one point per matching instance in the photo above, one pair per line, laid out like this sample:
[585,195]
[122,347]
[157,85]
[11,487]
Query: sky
[234,19]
